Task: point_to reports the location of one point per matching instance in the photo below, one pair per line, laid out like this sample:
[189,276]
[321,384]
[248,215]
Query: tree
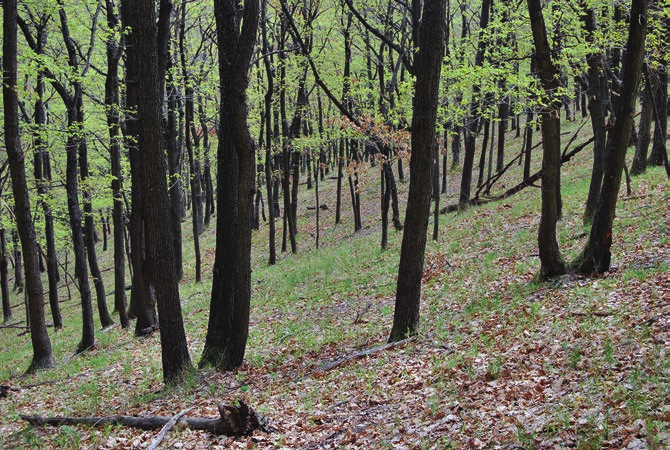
[42,353]
[551,261]
[156,217]
[228,325]
[596,255]
[430,31]
[113,105]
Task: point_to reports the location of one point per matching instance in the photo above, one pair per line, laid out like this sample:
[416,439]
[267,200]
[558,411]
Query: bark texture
[427,65]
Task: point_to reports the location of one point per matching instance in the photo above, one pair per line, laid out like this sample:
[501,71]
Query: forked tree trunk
[596,256]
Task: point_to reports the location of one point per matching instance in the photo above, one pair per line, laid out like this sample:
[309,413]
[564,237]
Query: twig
[164,431]
[363,354]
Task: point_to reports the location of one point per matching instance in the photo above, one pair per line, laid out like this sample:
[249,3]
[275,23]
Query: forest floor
[500,361]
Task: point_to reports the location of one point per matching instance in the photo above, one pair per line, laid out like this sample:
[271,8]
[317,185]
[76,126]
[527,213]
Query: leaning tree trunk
[598,91]
[596,256]
[42,354]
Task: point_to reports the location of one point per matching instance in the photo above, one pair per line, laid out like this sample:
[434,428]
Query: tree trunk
[598,92]
[159,240]
[427,66]
[42,354]
[228,326]
[112,103]
[4,282]
[269,177]
[596,256]
[551,261]
[142,295]
[639,165]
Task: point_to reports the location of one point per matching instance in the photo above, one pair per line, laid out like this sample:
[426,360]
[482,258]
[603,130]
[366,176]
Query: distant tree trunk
[503,115]
[551,261]
[89,233]
[436,189]
[112,103]
[269,176]
[339,152]
[528,144]
[191,139]
[149,43]
[42,353]
[598,91]
[659,151]
[472,122]
[639,165]
[228,326]
[18,262]
[175,153]
[4,283]
[596,255]
[427,66]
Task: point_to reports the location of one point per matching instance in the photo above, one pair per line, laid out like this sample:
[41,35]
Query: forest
[335,224]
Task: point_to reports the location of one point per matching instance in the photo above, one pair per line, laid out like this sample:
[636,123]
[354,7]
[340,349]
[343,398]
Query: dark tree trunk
[42,354]
[269,177]
[598,91]
[659,151]
[18,262]
[639,165]
[193,162]
[72,146]
[174,152]
[149,44]
[42,172]
[112,103]
[427,65]
[503,115]
[528,144]
[228,326]
[4,282]
[472,123]
[142,295]
[596,255]
[551,261]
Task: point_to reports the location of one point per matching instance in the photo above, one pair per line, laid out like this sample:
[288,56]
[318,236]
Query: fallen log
[236,421]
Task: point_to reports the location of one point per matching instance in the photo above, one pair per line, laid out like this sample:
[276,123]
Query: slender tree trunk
[646,115]
[551,261]
[112,103]
[42,353]
[598,91]
[4,282]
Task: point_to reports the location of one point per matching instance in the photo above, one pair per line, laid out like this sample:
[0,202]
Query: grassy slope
[499,361]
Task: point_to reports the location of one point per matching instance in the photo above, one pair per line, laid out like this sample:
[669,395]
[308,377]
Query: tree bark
[228,326]
[427,65]
[42,353]
[596,256]
[551,261]
[159,240]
